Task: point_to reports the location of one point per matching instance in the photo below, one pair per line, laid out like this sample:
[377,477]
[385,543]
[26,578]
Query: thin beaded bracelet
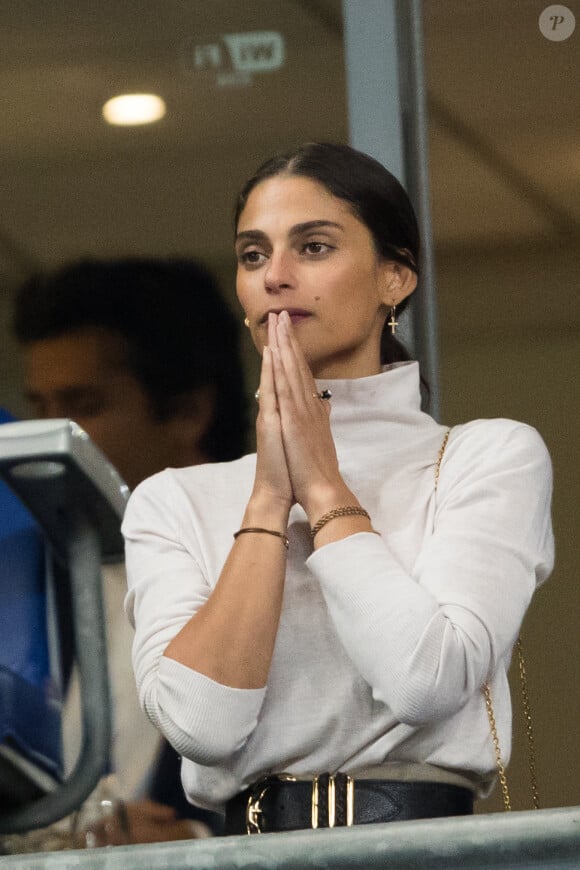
[350,511]
[260,531]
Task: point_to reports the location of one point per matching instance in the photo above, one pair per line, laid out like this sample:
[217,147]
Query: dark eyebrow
[251,236]
[296,230]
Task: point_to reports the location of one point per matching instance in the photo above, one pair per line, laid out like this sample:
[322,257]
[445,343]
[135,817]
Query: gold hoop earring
[246,322]
[393,323]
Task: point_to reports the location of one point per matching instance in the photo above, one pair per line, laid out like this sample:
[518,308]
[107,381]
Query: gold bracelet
[350,511]
[260,531]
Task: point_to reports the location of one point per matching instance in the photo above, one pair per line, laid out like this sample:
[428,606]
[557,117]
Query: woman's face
[301,249]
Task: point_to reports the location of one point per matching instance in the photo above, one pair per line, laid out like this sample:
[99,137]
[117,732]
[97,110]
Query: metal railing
[532,840]
[78,499]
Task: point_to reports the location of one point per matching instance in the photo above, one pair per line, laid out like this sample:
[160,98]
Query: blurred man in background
[144,355]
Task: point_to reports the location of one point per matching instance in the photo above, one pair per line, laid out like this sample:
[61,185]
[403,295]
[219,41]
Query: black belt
[281,803]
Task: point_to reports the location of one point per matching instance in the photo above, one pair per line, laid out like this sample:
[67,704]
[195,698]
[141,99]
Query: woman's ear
[398,282]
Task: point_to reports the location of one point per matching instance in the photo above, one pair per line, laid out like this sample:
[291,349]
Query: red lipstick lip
[292,312]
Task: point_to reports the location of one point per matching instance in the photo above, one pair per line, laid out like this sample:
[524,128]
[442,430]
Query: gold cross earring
[393,323]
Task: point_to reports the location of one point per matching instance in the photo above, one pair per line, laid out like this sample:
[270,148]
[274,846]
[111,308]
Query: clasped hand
[296,455]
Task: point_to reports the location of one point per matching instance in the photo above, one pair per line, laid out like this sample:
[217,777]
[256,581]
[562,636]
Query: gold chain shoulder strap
[501,772]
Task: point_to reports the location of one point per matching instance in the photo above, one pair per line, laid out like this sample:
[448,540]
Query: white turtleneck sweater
[384,641]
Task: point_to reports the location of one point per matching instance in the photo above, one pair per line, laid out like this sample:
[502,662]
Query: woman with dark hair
[315,622]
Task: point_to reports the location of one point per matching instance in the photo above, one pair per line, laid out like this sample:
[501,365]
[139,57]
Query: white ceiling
[504,123]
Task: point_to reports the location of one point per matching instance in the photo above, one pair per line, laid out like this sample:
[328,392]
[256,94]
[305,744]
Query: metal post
[387,119]
[414,109]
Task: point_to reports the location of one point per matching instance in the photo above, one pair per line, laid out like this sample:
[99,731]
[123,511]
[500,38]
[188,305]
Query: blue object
[30,702]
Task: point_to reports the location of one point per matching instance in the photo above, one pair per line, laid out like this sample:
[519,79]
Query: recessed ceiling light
[129,110]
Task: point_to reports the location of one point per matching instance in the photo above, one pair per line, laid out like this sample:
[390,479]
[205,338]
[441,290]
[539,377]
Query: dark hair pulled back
[375,196]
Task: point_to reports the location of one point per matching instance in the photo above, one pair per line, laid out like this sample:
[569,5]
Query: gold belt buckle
[254,805]
[349,788]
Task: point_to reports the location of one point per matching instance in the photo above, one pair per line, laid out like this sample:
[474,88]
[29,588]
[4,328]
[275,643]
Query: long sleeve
[169,580]
[426,640]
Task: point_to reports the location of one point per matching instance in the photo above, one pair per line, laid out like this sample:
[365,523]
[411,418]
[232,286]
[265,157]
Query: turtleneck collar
[377,423]
[394,391]
[361,407]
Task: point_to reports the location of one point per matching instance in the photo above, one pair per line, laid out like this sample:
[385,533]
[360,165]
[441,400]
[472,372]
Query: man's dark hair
[180,333]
